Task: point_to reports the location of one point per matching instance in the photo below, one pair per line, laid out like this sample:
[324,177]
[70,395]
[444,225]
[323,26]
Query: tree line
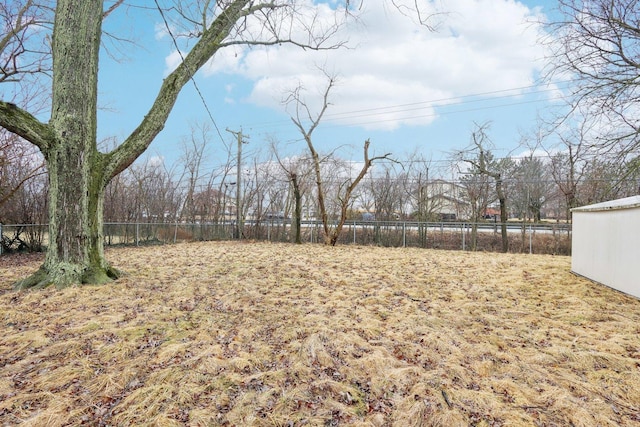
[471,185]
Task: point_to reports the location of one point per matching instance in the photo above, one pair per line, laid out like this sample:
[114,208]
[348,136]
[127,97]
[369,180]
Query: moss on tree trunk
[75,254]
[76,183]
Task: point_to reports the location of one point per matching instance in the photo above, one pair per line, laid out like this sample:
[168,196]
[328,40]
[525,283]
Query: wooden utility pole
[239,228]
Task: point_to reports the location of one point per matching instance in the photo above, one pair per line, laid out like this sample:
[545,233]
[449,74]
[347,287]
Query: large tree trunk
[335,233]
[297,196]
[76,182]
[75,253]
[344,203]
[321,203]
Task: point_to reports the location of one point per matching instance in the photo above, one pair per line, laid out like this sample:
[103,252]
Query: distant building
[211,205]
[368,216]
[492,214]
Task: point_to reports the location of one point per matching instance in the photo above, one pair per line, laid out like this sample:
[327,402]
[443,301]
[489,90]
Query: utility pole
[239,227]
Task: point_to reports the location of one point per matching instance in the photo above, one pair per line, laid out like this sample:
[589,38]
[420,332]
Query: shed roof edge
[625,203]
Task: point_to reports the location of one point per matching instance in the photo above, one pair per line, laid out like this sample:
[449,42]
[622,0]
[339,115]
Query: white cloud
[155,161]
[160,31]
[225,60]
[229,98]
[479,46]
[172,61]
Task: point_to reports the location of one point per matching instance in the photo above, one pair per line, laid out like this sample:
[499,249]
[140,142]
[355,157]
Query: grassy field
[258,334]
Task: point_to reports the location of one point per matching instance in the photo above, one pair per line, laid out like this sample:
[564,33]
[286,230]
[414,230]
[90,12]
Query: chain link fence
[542,238]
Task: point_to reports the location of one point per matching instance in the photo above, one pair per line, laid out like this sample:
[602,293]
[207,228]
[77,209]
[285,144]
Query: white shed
[605,244]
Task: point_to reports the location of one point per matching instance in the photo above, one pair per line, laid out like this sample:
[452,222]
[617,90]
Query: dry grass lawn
[259,334]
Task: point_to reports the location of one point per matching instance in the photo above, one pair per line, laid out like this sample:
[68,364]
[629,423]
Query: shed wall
[605,247]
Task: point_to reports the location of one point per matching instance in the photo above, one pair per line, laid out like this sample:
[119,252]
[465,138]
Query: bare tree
[476,184]
[425,197]
[18,164]
[582,172]
[25,46]
[297,171]
[156,190]
[532,187]
[483,163]
[118,200]
[567,165]
[302,112]
[345,196]
[388,195]
[193,155]
[257,198]
[597,42]
[24,56]
[606,179]
[300,105]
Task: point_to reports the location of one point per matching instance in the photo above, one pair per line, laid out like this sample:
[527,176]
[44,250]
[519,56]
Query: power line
[371,112]
[191,74]
[376,111]
[421,105]
[430,103]
[442,113]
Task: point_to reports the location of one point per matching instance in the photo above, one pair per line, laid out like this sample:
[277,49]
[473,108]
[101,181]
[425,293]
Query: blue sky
[401,86]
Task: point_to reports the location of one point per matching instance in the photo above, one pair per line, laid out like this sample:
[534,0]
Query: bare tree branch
[20,122]
[113,7]
[22,48]
[598,42]
[213,38]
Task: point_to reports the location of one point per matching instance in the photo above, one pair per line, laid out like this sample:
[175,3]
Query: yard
[260,334]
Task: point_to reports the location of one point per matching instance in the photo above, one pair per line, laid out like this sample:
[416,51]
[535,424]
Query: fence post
[404,234]
[464,235]
[137,234]
[0,238]
[175,232]
[354,231]
[426,235]
[530,238]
